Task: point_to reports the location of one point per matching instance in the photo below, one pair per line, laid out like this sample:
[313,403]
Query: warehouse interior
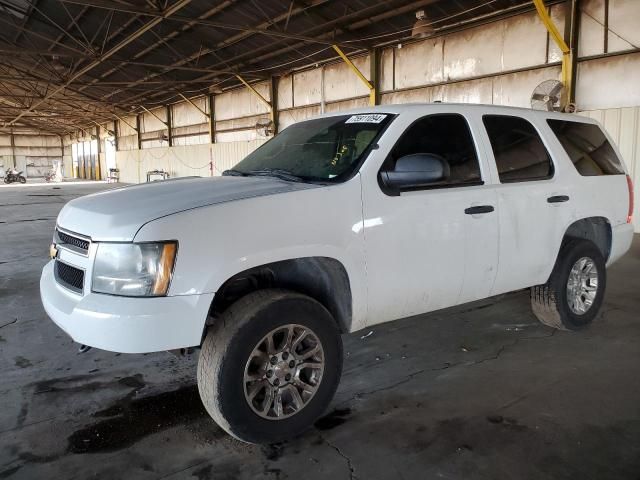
[107,93]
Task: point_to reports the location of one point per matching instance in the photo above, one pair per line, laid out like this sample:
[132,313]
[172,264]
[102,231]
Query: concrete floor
[480,391]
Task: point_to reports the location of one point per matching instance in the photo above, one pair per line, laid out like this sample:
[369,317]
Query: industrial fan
[548,96]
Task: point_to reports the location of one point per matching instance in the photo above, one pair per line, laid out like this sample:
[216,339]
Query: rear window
[587,147]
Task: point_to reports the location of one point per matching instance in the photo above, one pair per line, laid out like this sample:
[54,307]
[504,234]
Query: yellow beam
[567,54]
[157,117]
[193,105]
[124,121]
[254,91]
[367,83]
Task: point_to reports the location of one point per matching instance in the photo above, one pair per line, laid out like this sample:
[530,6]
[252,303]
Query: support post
[574,33]
[273,94]
[139,133]
[115,134]
[367,83]
[374,74]
[211,117]
[98,170]
[169,124]
[568,66]
[13,149]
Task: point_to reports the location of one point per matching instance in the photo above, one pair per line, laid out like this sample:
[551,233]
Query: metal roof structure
[66,64]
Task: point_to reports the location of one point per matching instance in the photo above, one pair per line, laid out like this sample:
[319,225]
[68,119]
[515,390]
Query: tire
[552,302]
[6,180]
[238,334]
[22,179]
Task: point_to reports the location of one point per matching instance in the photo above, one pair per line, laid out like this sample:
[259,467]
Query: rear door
[534,205]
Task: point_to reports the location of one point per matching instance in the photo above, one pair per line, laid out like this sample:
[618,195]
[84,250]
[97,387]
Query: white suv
[336,224]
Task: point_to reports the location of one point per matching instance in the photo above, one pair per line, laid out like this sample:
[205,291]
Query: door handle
[479,209]
[558,199]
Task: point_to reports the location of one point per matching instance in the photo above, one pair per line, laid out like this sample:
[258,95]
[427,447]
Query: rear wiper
[276,172]
[233,173]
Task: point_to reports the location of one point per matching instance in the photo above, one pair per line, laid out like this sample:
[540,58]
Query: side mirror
[416,170]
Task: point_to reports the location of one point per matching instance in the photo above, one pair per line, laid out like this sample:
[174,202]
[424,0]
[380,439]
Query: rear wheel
[270,366]
[22,179]
[574,293]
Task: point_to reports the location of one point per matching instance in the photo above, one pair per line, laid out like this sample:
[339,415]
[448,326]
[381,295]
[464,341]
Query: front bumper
[124,324]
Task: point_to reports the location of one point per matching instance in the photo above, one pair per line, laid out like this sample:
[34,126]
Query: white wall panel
[285,92]
[296,115]
[419,63]
[416,95]
[307,87]
[241,102]
[386,69]
[609,82]
[524,42]
[149,123]
[181,161]
[125,127]
[474,91]
[347,104]
[515,89]
[227,155]
[624,16]
[473,52]
[183,113]
[340,82]
[591,41]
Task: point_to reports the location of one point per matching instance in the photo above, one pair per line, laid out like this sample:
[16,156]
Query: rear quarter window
[587,147]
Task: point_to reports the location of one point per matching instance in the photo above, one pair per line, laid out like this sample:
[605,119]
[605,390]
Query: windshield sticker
[368,118]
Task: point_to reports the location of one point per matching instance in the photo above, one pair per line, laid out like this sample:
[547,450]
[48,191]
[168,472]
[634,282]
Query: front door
[436,246]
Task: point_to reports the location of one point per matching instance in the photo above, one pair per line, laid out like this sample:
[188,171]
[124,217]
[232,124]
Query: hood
[116,215]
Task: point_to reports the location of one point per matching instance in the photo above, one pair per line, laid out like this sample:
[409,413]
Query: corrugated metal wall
[33,154]
[180,161]
[623,124]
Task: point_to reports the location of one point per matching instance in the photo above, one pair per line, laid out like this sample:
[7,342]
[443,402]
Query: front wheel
[271,365]
[574,293]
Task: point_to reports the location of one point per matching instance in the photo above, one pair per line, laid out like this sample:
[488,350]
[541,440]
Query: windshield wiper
[276,172]
[233,173]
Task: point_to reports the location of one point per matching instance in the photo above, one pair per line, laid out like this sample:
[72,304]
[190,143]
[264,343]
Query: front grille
[68,276]
[74,243]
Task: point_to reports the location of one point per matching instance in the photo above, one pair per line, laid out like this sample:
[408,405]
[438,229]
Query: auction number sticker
[367,118]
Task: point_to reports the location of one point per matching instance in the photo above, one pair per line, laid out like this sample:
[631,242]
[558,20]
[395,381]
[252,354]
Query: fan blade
[556,89]
[538,96]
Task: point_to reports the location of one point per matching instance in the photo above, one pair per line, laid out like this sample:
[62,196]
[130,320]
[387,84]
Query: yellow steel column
[567,53]
[368,84]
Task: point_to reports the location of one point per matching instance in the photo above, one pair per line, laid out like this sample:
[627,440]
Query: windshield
[324,149]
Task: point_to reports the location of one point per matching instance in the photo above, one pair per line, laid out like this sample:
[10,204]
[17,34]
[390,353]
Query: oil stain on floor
[128,421]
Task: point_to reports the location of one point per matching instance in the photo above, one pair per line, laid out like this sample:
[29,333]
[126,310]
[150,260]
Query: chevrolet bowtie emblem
[53,251]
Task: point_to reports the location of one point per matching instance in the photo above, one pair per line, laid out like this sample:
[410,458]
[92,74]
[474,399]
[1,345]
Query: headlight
[133,269]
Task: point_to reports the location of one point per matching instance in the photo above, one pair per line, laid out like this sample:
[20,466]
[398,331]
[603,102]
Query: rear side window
[518,149]
[587,147]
